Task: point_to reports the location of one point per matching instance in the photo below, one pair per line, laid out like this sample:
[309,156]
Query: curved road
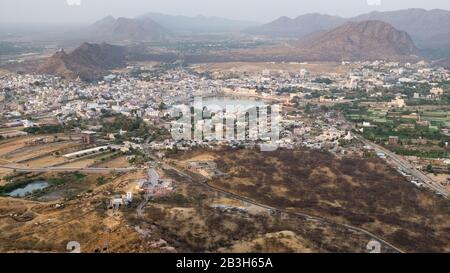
[306,216]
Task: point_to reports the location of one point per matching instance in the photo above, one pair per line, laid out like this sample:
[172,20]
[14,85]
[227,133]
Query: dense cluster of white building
[152,94]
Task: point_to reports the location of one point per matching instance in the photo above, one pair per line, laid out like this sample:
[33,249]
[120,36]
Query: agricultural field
[421,133]
[48,151]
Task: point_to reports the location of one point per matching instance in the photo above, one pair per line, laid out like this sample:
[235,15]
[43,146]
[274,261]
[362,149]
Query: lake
[33,186]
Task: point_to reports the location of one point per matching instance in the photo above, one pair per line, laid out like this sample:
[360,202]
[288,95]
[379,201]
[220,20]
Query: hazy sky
[59,11]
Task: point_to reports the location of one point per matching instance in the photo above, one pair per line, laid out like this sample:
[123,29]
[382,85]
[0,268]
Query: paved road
[153,177]
[403,164]
[141,206]
[66,169]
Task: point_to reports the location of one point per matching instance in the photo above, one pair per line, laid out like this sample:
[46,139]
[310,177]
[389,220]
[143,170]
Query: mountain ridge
[88,62]
[119,29]
[199,23]
[429,29]
[299,26]
[353,41]
[367,40]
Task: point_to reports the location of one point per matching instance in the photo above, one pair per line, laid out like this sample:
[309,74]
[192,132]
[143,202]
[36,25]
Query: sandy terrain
[239,67]
[45,161]
[19,128]
[441,179]
[38,150]
[82,163]
[119,162]
[84,219]
[9,146]
[283,241]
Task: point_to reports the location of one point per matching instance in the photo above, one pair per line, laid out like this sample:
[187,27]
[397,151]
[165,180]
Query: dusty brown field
[85,219]
[441,179]
[191,218]
[363,193]
[241,67]
[119,162]
[31,152]
[197,219]
[7,146]
[19,153]
[45,161]
[283,241]
[17,149]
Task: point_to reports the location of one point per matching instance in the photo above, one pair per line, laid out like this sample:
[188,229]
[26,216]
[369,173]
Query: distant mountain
[430,29]
[125,29]
[198,23]
[88,61]
[298,27]
[367,40]
[353,41]
[443,63]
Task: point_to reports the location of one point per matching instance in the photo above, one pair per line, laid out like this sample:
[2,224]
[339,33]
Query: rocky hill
[298,27]
[122,29]
[88,61]
[367,40]
[429,29]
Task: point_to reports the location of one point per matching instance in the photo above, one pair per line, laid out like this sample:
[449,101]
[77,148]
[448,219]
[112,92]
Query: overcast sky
[60,12]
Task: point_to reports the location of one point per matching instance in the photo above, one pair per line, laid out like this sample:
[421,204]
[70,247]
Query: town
[111,142]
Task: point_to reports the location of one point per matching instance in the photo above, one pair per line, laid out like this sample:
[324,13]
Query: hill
[430,29]
[298,27]
[123,29]
[88,61]
[353,41]
[368,40]
[198,23]
[365,193]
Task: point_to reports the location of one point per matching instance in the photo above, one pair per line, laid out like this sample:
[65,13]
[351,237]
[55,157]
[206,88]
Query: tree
[308,108]
[101,180]
[162,106]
